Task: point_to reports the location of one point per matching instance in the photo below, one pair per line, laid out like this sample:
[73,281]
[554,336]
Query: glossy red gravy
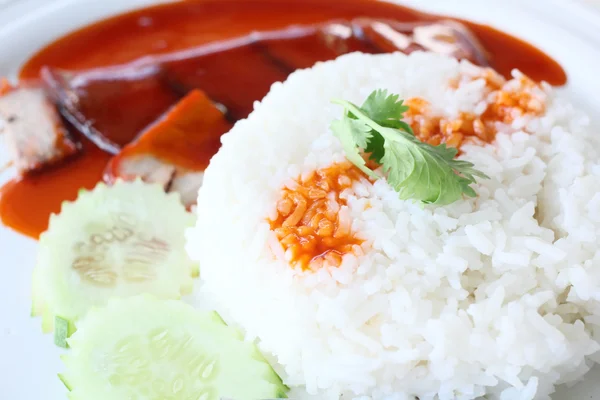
[26,204]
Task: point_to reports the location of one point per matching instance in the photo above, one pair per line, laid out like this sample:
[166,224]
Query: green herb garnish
[416,170]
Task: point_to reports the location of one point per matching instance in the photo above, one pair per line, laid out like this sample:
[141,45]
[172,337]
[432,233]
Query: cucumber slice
[115,241]
[145,348]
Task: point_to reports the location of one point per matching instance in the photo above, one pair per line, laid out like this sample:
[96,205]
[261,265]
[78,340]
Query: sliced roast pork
[175,149]
[34,132]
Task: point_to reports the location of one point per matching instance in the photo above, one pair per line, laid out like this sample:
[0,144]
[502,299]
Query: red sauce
[505,103]
[25,204]
[309,229]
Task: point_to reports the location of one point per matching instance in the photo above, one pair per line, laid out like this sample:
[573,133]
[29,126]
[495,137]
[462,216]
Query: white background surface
[29,361]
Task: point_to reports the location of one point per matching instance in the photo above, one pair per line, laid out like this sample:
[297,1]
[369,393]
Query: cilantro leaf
[386,110]
[353,135]
[354,130]
[416,170]
[375,147]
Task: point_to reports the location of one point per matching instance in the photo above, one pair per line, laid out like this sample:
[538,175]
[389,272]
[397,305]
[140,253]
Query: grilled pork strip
[35,134]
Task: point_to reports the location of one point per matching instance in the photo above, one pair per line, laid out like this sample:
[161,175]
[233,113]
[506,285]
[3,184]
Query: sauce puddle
[27,202]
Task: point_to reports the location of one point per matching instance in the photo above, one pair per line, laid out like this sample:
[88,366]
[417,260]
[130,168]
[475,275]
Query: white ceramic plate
[29,361]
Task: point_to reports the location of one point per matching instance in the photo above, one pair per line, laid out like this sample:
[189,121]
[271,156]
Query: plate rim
[557,11]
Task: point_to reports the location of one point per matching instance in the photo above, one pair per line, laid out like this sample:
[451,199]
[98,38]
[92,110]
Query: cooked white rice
[496,294]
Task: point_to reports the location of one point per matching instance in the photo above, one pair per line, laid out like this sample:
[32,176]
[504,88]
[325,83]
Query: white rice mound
[495,295]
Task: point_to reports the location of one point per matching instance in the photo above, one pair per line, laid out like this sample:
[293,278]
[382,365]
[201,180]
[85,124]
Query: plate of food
[260,199]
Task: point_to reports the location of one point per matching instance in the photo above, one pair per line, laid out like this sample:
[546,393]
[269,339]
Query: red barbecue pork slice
[446,37]
[175,150]
[303,46]
[35,135]
[110,105]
